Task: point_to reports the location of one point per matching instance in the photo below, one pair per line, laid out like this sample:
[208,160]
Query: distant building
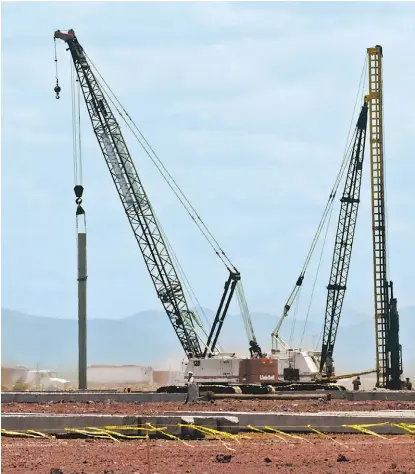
[22,378]
[10,376]
[119,375]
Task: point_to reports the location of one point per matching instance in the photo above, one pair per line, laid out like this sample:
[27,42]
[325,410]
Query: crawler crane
[209,366]
[388,349]
[319,365]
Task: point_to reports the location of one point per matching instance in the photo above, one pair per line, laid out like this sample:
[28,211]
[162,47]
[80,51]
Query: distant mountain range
[147,338]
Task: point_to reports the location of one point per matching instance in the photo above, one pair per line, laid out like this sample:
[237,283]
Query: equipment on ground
[207,363]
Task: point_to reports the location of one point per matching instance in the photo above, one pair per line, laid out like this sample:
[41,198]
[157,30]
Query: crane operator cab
[254,349]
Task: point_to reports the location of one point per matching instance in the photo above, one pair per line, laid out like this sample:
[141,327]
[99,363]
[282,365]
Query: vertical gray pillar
[82,336]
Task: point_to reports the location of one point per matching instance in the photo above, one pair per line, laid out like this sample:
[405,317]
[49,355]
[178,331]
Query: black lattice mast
[344,240]
[135,201]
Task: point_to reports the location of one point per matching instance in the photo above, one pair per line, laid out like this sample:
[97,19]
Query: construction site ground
[115,408]
[247,452]
[260,454]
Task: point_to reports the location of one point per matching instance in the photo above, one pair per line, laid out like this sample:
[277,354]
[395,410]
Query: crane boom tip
[64,36]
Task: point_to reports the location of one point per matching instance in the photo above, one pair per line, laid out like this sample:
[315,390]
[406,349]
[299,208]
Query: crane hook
[57,89]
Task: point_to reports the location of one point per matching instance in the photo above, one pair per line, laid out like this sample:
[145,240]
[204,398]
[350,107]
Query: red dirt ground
[220,405]
[310,455]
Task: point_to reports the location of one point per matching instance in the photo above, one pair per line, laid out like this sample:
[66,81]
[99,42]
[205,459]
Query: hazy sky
[248,105]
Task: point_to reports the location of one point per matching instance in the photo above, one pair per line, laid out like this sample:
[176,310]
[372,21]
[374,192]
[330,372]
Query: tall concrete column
[82,334]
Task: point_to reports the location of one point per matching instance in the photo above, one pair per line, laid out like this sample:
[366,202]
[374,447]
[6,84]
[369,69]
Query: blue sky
[248,105]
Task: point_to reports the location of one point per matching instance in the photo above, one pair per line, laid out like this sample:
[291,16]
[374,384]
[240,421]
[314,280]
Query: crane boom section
[221,313]
[379,244]
[275,338]
[135,201]
[344,240]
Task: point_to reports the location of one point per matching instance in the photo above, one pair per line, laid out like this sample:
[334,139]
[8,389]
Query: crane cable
[362,83]
[178,266]
[181,197]
[162,169]
[314,284]
[249,329]
[192,295]
[184,278]
[56,63]
[74,124]
[77,159]
[330,202]
[293,324]
[316,276]
[186,282]
[326,212]
[296,290]
[77,146]
[78,165]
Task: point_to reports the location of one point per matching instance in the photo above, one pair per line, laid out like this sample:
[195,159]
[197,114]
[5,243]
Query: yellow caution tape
[211,431]
[406,427]
[270,428]
[364,429]
[27,433]
[253,428]
[215,433]
[92,432]
[162,430]
[324,435]
[116,432]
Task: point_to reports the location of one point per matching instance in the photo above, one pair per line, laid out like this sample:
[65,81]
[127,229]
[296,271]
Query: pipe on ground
[272,396]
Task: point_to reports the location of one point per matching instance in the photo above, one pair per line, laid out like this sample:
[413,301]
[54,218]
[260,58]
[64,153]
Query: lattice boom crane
[143,221]
[134,200]
[344,243]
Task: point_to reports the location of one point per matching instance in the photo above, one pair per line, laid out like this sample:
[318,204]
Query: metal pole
[82,275]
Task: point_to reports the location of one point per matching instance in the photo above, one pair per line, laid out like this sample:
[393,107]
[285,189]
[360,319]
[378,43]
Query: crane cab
[228,369]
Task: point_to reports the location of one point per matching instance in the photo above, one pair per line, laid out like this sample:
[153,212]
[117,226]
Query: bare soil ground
[261,454]
[220,405]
